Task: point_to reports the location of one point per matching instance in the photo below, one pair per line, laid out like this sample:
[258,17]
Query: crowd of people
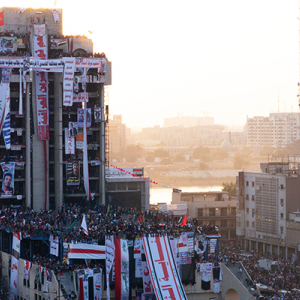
[286,278]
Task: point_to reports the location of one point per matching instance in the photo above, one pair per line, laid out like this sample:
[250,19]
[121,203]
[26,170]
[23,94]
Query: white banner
[85,289]
[138,268]
[110,256]
[3,92]
[86,251]
[14,272]
[82,62]
[161,262]
[69,143]
[68,79]
[39,30]
[80,97]
[98,285]
[137,248]
[147,284]
[27,266]
[124,270]
[212,245]
[54,245]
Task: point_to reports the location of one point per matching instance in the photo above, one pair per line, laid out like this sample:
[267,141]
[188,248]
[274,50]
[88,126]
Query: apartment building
[277,130]
[118,134]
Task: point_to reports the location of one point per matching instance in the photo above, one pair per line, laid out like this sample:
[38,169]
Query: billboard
[175,209]
[73,172]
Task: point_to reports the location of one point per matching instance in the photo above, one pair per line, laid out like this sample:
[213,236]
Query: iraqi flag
[83,226]
[121,270]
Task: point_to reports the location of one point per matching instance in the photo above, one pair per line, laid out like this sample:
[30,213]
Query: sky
[226,59]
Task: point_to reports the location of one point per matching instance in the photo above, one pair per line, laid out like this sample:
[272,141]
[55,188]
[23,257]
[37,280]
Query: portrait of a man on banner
[8,179]
[97,114]
[73,172]
[73,128]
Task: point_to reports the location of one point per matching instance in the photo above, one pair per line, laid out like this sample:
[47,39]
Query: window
[247,211]
[281,202]
[233,223]
[252,198]
[253,184]
[212,212]
[200,212]
[247,197]
[232,211]
[282,187]
[281,216]
[247,183]
[247,224]
[253,212]
[223,223]
[253,224]
[281,230]
[224,211]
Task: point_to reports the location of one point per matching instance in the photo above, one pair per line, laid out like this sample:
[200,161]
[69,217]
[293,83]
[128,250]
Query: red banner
[1,19]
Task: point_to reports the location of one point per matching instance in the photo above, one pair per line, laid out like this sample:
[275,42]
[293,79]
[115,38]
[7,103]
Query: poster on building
[80,97]
[68,77]
[73,128]
[80,117]
[73,172]
[8,179]
[69,143]
[6,44]
[79,138]
[6,73]
[97,114]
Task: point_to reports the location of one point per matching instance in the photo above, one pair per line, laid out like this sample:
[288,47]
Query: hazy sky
[228,58]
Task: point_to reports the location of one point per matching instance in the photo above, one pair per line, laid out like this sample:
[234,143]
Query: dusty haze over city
[228,58]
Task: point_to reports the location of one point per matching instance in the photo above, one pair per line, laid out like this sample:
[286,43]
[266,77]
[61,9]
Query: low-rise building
[216,208]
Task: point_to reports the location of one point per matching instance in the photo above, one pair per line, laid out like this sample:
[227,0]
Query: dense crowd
[286,278]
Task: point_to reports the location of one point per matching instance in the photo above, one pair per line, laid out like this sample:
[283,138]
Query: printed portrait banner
[68,79]
[97,114]
[73,128]
[14,272]
[160,260]
[109,259]
[98,285]
[6,44]
[80,117]
[69,143]
[73,172]
[6,74]
[8,179]
[4,87]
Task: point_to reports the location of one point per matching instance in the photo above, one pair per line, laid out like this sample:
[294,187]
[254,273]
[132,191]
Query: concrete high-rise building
[40,176]
[277,130]
[188,121]
[118,134]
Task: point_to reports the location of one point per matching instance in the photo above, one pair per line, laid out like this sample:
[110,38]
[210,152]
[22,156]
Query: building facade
[277,130]
[42,166]
[264,202]
[214,208]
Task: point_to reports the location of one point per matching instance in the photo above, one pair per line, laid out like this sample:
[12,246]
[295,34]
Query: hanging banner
[79,139]
[73,128]
[138,268]
[86,251]
[54,245]
[80,97]
[98,285]
[97,114]
[80,117]
[212,245]
[1,19]
[109,259]
[55,16]
[68,77]
[3,92]
[161,262]
[69,143]
[85,289]
[73,172]
[22,9]
[82,62]
[137,248]
[16,244]
[39,30]
[121,269]
[6,74]
[147,285]
[8,179]
[14,272]
[26,269]
[6,44]
[6,125]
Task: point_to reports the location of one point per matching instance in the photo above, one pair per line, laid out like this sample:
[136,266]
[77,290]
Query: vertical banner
[110,255]
[147,285]
[40,51]
[97,114]
[8,179]
[14,272]
[68,79]
[69,143]
[20,94]
[3,94]
[6,125]
[85,288]
[73,172]
[27,266]
[16,244]
[122,269]
[98,285]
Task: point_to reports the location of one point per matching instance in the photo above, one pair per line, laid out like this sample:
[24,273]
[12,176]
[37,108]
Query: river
[158,195]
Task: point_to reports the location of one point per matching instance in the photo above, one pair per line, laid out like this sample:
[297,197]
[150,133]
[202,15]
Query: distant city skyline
[231,58]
